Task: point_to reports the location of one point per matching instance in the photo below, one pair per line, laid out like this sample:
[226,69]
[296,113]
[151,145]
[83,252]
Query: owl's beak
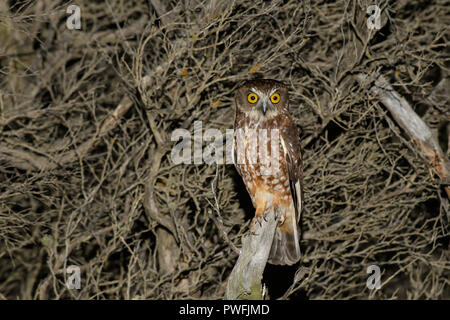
[264,107]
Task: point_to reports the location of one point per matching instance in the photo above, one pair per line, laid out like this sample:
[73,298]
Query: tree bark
[244,282]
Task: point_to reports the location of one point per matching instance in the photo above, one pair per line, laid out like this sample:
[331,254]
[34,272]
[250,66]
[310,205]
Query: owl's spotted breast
[262,165]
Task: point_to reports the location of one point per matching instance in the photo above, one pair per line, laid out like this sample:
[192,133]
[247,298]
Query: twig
[31,161]
[218,218]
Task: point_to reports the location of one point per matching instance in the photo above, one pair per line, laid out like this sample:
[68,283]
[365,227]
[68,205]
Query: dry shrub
[86,118]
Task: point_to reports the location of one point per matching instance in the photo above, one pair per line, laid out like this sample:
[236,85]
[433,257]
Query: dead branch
[413,125]
[244,282]
[28,160]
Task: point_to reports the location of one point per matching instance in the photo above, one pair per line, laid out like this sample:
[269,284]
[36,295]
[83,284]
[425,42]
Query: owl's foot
[260,214]
[257,222]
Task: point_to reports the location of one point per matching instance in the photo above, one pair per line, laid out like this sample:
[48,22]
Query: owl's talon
[257,220]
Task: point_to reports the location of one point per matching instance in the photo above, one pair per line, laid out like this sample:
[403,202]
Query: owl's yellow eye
[275,98]
[252,98]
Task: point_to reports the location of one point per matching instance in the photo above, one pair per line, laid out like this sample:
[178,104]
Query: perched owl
[263,105]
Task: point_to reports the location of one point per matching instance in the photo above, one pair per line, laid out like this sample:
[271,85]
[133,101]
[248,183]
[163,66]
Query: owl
[262,107]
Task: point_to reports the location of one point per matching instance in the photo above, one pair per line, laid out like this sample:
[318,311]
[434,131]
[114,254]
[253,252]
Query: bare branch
[414,126]
[244,282]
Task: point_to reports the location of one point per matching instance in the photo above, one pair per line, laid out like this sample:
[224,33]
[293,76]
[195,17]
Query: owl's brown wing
[292,153]
[285,247]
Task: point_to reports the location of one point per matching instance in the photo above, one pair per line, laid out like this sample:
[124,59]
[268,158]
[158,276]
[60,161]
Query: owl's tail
[285,246]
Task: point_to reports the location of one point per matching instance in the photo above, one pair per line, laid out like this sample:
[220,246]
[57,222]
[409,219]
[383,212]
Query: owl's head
[262,99]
